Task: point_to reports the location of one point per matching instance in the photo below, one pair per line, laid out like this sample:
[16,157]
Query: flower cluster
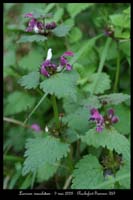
[48,68]
[101,121]
[38,26]
[96,117]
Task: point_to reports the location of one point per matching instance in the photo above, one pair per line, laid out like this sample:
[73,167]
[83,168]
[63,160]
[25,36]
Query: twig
[67,183]
[14,121]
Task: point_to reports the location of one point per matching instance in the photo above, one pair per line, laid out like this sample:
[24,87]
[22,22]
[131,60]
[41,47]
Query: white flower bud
[49,54]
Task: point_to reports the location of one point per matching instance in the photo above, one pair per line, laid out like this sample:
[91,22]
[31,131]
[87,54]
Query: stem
[33,179]
[13,158]
[35,108]
[14,121]
[55,109]
[101,64]
[67,183]
[117,69]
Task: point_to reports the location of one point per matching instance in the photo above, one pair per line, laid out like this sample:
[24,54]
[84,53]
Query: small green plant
[67,96]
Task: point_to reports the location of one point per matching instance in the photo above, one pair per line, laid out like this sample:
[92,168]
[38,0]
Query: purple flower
[68,67]
[48,68]
[112,118]
[51,25]
[33,24]
[68,53]
[36,127]
[64,62]
[29,15]
[98,119]
[101,121]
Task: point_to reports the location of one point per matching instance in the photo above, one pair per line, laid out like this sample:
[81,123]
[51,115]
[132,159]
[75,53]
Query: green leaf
[61,84]
[32,61]
[9,58]
[121,20]
[125,48]
[123,112]
[58,15]
[46,171]
[86,47]
[16,138]
[31,38]
[103,83]
[109,138]
[112,180]
[87,173]
[69,22]
[41,151]
[75,35]
[30,81]
[122,177]
[18,102]
[61,30]
[74,9]
[78,120]
[125,182]
[114,98]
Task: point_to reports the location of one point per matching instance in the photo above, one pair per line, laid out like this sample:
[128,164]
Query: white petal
[46,129]
[49,54]
[36,29]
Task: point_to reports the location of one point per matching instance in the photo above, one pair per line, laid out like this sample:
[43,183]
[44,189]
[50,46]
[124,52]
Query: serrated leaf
[74,9]
[18,102]
[122,177]
[31,61]
[114,98]
[109,138]
[31,38]
[123,112]
[41,151]
[30,81]
[61,84]
[87,173]
[46,171]
[61,30]
[103,83]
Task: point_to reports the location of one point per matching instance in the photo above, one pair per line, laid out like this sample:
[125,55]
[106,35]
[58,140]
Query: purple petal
[46,63]
[32,23]
[68,67]
[99,129]
[93,110]
[63,61]
[114,119]
[111,113]
[29,29]
[40,25]
[30,15]
[53,25]
[68,53]
[44,71]
[36,127]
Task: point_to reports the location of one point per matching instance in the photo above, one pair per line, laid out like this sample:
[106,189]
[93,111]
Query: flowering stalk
[35,108]
[55,109]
